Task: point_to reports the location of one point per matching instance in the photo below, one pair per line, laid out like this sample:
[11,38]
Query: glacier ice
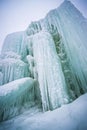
[16,96]
[51,51]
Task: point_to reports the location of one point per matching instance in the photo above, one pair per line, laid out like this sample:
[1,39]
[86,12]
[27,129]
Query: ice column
[52,85]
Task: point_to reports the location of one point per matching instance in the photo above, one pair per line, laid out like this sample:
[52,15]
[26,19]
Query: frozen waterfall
[53,53]
[51,80]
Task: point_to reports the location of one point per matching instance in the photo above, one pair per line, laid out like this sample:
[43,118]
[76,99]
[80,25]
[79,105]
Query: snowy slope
[69,117]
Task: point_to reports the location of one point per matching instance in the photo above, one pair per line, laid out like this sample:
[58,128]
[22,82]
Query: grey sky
[15,15]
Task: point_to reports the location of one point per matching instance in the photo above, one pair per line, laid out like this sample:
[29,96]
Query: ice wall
[72,27]
[68,23]
[74,35]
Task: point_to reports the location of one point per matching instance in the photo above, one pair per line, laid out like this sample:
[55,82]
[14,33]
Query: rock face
[53,52]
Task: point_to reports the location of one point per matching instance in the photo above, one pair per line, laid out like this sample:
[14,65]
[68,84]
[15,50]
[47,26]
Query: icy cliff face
[53,52]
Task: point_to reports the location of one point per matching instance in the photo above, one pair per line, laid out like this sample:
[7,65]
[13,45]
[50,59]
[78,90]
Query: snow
[69,117]
[8,88]
[14,95]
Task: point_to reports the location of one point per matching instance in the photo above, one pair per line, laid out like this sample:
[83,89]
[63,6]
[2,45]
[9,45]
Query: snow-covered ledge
[15,95]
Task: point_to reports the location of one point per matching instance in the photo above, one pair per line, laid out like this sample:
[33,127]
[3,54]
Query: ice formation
[52,51]
[16,44]
[16,96]
[54,92]
[13,69]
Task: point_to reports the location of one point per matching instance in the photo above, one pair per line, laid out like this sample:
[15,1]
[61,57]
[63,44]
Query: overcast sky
[15,15]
